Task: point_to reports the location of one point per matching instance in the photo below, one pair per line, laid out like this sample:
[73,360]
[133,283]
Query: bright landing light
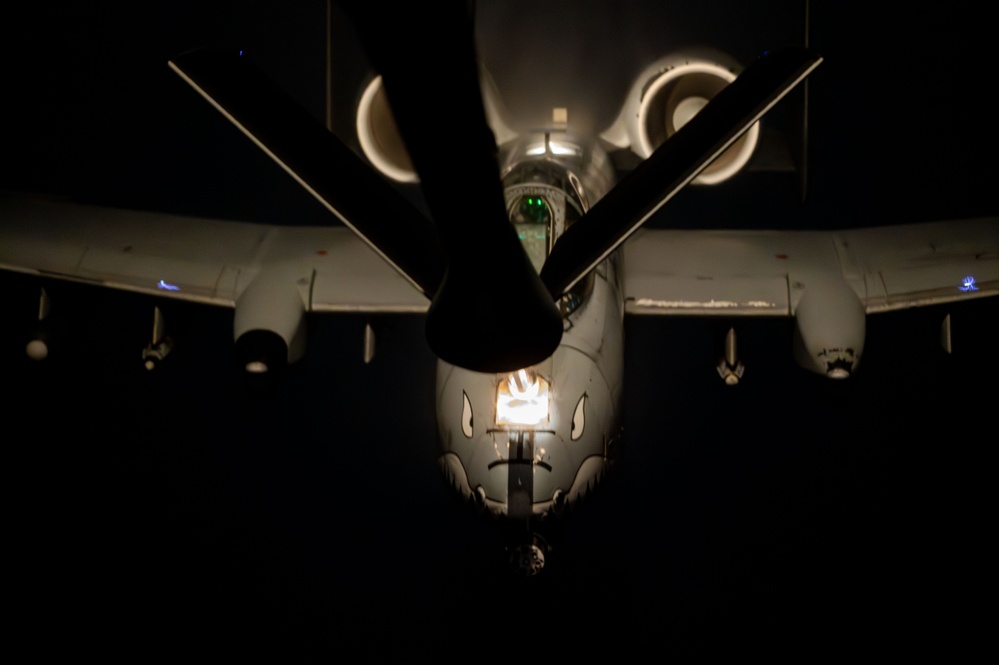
[522,399]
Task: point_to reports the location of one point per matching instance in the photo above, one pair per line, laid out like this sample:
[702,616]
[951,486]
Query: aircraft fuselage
[527,444]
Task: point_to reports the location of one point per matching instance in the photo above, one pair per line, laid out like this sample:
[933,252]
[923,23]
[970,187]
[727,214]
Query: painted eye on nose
[579,419]
[466,416]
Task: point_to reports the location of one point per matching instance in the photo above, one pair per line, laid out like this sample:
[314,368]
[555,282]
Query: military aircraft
[523,436]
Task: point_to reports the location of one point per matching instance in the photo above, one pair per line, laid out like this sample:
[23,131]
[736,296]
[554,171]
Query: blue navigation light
[167,287]
[968,284]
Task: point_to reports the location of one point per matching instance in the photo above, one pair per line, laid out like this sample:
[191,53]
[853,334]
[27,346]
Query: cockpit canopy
[549,183]
[532,217]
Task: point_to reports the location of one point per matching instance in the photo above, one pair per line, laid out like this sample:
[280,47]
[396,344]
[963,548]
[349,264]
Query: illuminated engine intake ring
[666,96]
[379,136]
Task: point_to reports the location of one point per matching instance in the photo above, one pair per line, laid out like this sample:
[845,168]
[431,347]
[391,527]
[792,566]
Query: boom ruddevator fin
[319,161]
[673,164]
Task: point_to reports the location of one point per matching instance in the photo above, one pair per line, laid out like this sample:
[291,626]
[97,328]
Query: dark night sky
[175,504]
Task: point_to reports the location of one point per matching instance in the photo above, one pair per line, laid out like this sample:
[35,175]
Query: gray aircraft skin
[525,446]
[527,443]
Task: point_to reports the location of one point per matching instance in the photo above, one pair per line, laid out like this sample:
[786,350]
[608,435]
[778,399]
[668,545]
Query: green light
[533,210]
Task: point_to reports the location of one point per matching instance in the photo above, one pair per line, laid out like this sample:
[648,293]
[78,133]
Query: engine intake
[379,136]
[665,97]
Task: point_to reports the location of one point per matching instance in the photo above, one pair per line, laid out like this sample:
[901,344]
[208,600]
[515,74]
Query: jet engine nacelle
[379,136]
[830,324]
[666,96]
[269,323]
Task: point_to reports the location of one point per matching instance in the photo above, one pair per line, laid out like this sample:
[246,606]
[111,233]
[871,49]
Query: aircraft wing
[765,273]
[194,259]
